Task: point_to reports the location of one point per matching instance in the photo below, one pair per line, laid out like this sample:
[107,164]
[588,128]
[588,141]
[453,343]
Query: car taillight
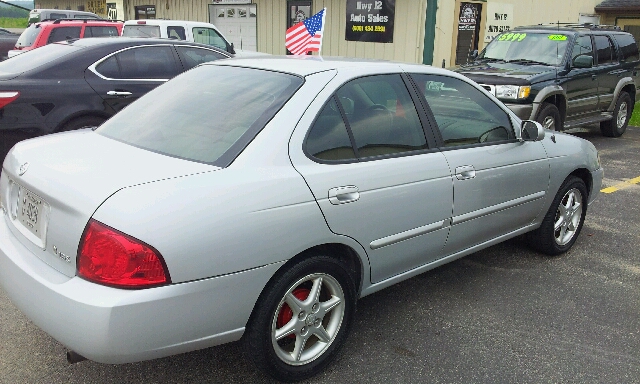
[7,97]
[110,257]
[142,22]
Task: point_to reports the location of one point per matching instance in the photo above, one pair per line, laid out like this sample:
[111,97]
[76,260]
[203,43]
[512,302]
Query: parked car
[38,15]
[80,83]
[47,32]
[196,31]
[563,76]
[260,198]
[8,40]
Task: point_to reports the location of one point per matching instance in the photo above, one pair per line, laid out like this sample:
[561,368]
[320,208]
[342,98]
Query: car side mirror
[473,55]
[583,61]
[531,131]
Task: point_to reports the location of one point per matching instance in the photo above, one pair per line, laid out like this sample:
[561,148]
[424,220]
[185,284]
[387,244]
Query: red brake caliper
[286,313]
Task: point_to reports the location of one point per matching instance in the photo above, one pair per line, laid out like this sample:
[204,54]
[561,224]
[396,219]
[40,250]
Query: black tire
[621,115]
[559,231]
[81,122]
[275,354]
[549,117]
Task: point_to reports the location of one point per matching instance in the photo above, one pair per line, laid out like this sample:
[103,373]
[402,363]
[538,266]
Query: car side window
[147,63]
[328,138]
[176,32]
[628,47]
[209,36]
[100,31]
[192,56]
[63,33]
[582,46]
[606,52]
[464,114]
[109,68]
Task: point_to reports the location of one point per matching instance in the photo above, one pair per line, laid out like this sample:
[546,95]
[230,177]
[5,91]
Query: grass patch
[10,22]
[635,116]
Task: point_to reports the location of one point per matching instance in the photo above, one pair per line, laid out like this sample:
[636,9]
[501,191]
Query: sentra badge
[23,168]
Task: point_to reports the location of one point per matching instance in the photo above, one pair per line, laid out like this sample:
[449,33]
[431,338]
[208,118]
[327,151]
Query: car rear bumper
[114,326]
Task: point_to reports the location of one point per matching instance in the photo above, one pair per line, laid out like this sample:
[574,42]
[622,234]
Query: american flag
[306,36]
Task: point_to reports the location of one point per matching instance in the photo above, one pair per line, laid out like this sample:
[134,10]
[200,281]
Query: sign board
[499,19]
[222,2]
[370,20]
[99,7]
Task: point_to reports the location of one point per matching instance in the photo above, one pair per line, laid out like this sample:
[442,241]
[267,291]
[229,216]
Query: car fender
[621,84]
[550,90]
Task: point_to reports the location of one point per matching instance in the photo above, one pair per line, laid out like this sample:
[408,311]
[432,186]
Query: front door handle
[119,93]
[465,172]
[343,195]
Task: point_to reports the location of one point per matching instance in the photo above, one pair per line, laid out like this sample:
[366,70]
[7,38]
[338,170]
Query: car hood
[74,173]
[504,73]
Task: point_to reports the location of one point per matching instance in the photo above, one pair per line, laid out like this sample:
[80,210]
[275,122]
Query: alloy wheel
[621,118]
[568,217]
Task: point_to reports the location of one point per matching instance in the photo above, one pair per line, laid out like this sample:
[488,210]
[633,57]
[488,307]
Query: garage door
[237,23]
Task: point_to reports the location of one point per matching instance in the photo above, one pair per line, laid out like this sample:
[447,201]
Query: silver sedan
[258,199]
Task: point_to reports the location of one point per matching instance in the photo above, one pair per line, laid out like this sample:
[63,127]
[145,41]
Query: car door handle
[343,195]
[594,77]
[119,93]
[465,172]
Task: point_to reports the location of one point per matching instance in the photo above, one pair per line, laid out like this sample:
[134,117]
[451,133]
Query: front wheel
[549,117]
[621,115]
[562,223]
[302,319]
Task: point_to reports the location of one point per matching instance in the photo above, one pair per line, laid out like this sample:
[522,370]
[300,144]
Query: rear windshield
[141,31]
[208,114]
[33,59]
[28,36]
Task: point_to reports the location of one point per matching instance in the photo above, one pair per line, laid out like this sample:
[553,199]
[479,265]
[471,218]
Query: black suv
[562,76]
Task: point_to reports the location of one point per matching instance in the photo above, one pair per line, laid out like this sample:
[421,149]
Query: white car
[260,198]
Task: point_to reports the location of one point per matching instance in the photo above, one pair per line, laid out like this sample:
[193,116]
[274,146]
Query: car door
[499,183]
[581,84]
[373,174]
[609,70]
[123,77]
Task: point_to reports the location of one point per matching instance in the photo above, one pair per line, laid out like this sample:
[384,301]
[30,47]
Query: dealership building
[437,32]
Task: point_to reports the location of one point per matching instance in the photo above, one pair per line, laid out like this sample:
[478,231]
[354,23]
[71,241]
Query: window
[582,46]
[209,36]
[464,114]
[381,116]
[141,31]
[606,52]
[100,31]
[147,63]
[192,56]
[328,138]
[176,32]
[63,33]
[628,47]
[54,16]
[109,68]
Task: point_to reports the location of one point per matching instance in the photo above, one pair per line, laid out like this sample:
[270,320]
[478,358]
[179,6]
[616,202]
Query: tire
[549,117]
[621,115]
[288,336]
[81,122]
[563,222]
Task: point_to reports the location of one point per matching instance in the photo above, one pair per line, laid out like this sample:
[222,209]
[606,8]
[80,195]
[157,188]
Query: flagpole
[324,14]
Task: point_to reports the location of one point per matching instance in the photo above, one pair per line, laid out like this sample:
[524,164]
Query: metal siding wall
[65,4]
[194,10]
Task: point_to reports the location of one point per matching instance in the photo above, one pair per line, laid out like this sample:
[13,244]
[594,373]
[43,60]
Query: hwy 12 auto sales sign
[370,20]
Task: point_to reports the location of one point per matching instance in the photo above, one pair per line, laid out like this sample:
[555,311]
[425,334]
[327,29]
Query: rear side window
[328,139]
[192,56]
[109,68]
[628,47]
[209,36]
[100,31]
[582,46]
[464,115]
[29,36]
[176,32]
[141,31]
[57,16]
[147,63]
[63,33]
[606,53]
[213,113]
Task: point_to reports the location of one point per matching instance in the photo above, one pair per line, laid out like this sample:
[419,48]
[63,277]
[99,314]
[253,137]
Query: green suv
[562,76]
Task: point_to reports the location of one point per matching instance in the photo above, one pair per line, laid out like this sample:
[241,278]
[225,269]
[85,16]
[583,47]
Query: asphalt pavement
[504,314]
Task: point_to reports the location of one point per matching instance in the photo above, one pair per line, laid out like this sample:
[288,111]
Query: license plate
[32,213]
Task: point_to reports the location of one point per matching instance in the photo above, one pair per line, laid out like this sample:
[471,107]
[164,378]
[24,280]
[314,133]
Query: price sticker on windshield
[512,37]
[557,37]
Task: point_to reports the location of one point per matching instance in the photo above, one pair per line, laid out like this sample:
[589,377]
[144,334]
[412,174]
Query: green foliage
[12,12]
[6,22]
[635,116]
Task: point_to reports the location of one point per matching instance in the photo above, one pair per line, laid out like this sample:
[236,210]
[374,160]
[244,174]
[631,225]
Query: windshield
[28,37]
[537,48]
[208,114]
[141,31]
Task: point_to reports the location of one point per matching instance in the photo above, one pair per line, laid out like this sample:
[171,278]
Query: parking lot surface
[504,314]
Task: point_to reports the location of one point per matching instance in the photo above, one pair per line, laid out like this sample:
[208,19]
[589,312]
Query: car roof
[582,28]
[93,22]
[163,22]
[132,41]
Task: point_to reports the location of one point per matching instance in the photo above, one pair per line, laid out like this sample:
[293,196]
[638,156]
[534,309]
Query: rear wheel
[549,117]
[302,319]
[82,122]
[621,115]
